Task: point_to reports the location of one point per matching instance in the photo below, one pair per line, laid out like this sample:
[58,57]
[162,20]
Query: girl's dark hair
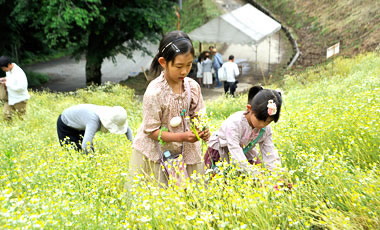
[171,45]
[5,61]
[258,99]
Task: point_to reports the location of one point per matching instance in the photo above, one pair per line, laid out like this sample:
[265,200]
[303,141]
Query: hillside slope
[320,24]
[328,138]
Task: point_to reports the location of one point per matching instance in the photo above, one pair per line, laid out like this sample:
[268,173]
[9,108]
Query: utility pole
[177,13]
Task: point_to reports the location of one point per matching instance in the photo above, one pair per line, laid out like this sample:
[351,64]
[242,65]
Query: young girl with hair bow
[239,133]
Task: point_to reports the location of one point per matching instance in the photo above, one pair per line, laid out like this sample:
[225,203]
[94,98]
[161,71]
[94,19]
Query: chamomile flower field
[327,136]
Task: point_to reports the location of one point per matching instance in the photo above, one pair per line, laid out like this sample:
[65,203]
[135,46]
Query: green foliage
[327,136]
[20,39]
[5,27]
[194,13]
[97,28]
[110,23]
[33,57]
[36,79]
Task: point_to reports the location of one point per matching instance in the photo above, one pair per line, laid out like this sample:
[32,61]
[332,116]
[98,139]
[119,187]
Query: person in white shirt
[232,71]
[199,71]
[206,69]
[16,84]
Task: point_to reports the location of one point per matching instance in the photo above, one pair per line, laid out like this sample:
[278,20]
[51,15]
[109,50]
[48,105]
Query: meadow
[327,136]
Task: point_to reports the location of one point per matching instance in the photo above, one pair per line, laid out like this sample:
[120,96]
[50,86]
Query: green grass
[327,136]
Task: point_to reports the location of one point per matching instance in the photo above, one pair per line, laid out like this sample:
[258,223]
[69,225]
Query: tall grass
[327,136]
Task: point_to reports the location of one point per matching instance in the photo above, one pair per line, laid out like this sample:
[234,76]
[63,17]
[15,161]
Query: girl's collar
[168,88]
[252,129]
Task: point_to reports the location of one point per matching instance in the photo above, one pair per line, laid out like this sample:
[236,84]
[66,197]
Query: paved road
[67,74]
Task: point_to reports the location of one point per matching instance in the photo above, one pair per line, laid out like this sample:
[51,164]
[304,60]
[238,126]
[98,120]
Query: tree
[98,29]
[9,31]
[19,39]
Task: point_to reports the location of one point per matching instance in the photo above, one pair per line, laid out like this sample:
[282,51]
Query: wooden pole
[270,39]
[279,45]
[177,13]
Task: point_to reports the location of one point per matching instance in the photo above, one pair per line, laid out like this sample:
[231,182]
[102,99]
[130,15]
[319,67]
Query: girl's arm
[166,136]
[270,155]
[233,143]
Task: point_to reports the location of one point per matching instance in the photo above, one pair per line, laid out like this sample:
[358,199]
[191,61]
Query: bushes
[36,79]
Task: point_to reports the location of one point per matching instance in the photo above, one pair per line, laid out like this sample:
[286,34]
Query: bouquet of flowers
[200,122]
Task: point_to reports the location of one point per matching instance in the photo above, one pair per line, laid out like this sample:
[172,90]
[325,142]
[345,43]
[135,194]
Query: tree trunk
[94,60]
[93,71]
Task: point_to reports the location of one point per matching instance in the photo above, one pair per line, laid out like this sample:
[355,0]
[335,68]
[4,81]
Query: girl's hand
[189,136]
[204,135]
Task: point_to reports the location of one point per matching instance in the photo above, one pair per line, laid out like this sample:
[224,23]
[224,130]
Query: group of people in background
[170,99]
[208,65]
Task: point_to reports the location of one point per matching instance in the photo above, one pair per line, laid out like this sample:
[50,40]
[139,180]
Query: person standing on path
[206,69]
[232,71]
[78,124]
[217,62]
[199,71]
[16,85]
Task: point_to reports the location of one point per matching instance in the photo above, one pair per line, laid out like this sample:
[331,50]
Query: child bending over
[238,134]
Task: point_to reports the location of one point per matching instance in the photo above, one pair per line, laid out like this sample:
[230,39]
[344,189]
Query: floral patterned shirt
[160,105]
[235,133]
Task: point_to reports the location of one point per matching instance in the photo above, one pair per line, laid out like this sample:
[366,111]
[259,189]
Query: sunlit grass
[327,135]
